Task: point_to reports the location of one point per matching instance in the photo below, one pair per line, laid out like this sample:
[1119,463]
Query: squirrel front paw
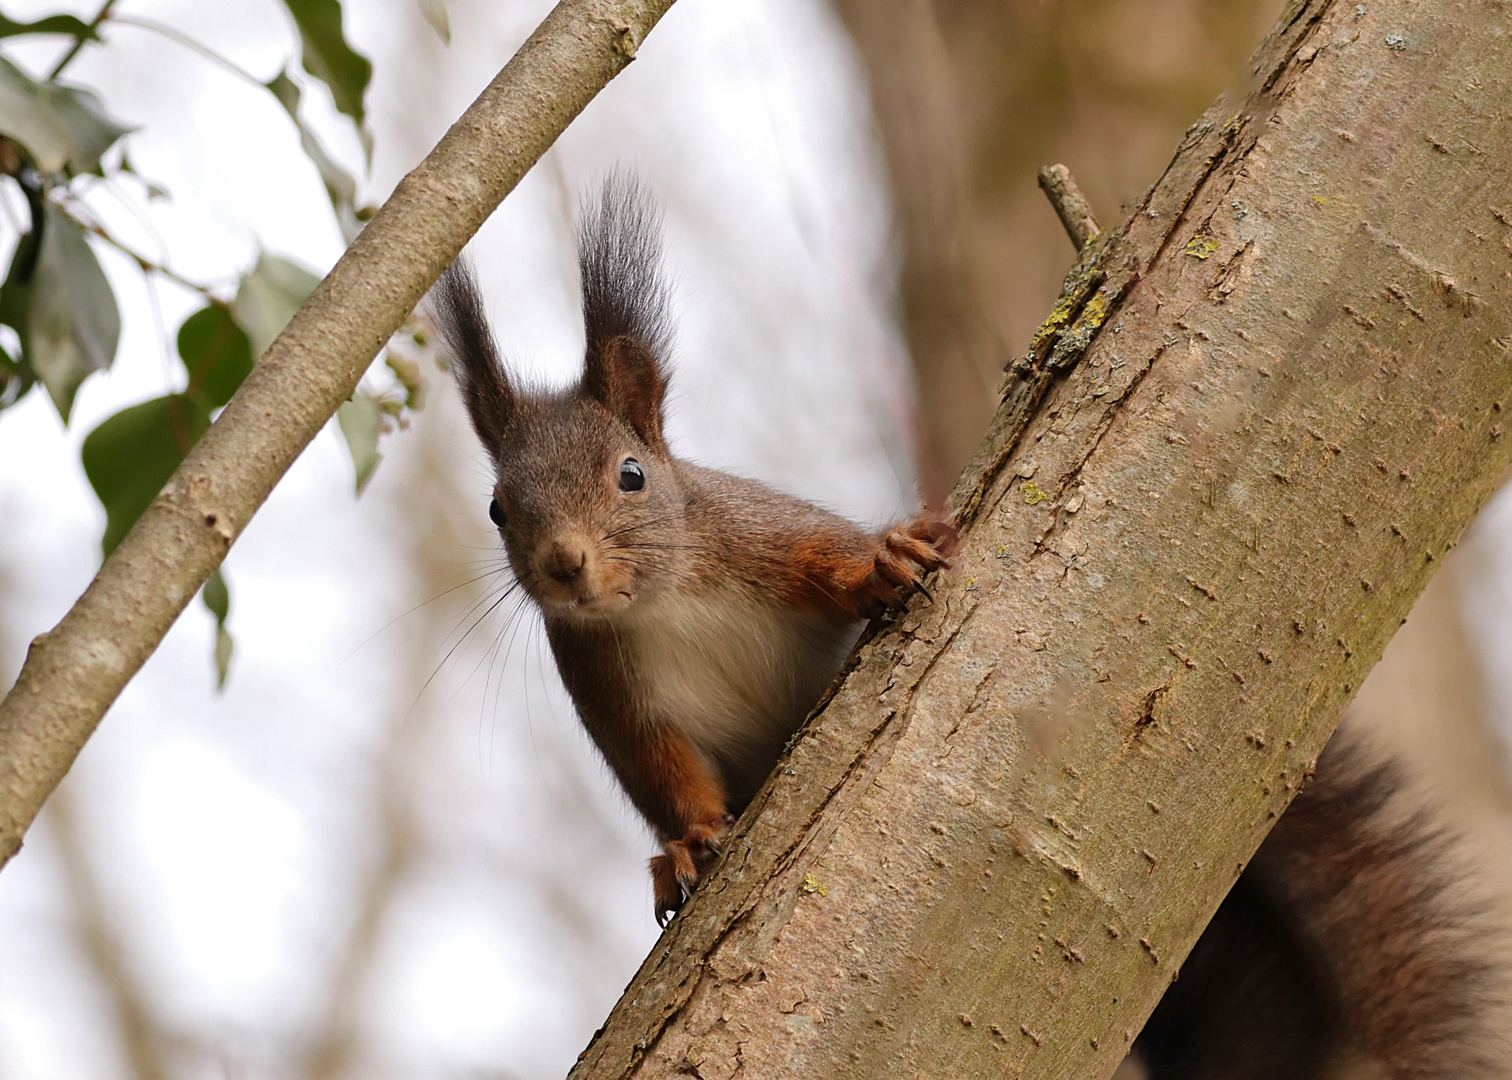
[674,873]
[925,542]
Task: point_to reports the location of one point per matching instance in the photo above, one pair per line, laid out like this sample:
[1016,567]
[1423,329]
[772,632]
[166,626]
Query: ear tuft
[456,311]
[626,307]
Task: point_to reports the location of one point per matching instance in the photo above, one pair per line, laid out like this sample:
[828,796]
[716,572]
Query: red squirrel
[695,616]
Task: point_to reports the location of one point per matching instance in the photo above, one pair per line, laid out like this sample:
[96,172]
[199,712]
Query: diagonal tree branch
[73,673]
[1262,411]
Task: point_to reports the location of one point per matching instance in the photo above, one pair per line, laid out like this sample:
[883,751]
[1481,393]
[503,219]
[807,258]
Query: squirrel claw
[925,543]
[674,873]
[664,912]
[667,890]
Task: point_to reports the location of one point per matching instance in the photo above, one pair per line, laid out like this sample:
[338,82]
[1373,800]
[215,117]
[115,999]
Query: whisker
[505,596]
[655,547]
[417,607]
[487,596]
[636,526]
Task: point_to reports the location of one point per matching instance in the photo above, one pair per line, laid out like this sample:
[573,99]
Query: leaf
[216,354]
[268,298]
[151,188]
[224,646]
[361,421]
[64,128]
[328,57]
[72,322]
[15,379]
[70,25]
[15,293]
[218,599]
[341,189]
[435,14]
[131,455]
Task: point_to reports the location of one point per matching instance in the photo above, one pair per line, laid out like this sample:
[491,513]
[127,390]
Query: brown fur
[1348,948]
[694,621]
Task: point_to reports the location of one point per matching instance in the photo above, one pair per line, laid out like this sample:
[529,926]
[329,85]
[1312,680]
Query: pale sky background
[231,833]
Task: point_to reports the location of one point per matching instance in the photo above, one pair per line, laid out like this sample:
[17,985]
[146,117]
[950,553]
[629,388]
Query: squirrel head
[586,497]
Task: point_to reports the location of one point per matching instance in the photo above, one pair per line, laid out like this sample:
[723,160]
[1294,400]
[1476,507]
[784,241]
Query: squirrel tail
[1350,947]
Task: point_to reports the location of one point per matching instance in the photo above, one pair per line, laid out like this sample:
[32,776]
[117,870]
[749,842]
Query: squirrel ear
[623,375]
[456,311]
[625,307]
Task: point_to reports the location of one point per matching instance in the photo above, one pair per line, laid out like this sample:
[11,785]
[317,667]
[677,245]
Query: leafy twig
[147,265]
[189,43]
[81,40]
[74,672]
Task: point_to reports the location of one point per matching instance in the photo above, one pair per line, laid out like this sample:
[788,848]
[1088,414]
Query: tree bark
[971,95]
[73,673]
[1261,413]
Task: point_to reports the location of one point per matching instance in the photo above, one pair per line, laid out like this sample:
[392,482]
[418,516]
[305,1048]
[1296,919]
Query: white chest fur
[734,675]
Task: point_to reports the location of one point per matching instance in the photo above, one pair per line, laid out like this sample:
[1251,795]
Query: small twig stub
[1069,202]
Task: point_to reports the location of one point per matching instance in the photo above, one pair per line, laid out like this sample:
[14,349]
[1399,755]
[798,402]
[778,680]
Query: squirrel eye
[496,512]
[632,477]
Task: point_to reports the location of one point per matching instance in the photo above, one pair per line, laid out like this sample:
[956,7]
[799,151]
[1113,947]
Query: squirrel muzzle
[572,575]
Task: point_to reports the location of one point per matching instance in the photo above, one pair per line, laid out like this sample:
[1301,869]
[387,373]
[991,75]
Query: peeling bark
[1262,412]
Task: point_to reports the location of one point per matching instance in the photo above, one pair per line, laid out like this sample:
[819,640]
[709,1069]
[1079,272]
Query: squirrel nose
[565,561]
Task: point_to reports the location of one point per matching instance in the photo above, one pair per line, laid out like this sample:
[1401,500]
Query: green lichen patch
[1033,493]
[1201,246]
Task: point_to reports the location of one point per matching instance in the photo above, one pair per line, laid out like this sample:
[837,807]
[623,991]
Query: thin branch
[147,265]
[1069,202]
[73,673]
[189,43]
[80,42]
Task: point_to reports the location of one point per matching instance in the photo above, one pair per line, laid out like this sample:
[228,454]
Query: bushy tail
[1352,946]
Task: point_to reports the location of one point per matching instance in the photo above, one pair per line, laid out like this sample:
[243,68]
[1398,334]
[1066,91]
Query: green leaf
[15,293]
[72,324]
[361,421]
[340,187]
[131,455]
[223,649]
[52,24]
[218,599]
[64,128]
[216,596]
[328,57]
[435,14]
[216,353]
[15,379]
[268,298]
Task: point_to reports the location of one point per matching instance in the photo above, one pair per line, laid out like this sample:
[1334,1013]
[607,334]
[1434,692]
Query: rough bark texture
[73,673]
[971,96]
[1262,412]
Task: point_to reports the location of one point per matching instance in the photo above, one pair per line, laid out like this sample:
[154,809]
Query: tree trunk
[1259,416]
